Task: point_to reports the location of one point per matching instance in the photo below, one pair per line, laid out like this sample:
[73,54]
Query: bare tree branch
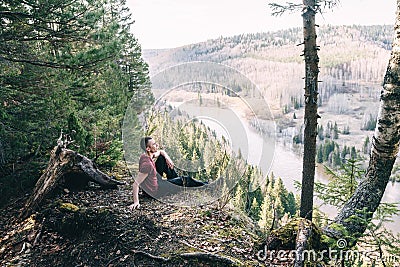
[279,10]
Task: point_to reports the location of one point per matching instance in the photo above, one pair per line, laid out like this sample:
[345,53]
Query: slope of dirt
[94,227]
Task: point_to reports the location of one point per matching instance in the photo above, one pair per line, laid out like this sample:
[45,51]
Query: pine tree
[320,154]
[366,146]
[320,130]
[328,130]
[279,195]
[290,204]
[270,184]
[353,153]
[344,152]
[335,131]
[255,209]
[77,132]
[341,185]
[238,199]
[266,214]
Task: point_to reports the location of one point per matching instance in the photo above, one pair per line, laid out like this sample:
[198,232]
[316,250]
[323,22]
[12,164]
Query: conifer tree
[335,131]
[266,214]
[342,183]
[255,209]
[320,130]
[366,146]
[353,153]
[238,200]
[320,155]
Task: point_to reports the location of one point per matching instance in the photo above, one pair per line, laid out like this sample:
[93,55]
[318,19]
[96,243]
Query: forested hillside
[348,54]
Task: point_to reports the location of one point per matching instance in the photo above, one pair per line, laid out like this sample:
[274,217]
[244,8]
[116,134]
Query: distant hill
[349,56]
[225,49]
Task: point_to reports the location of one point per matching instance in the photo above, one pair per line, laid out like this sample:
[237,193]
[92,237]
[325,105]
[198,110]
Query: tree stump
[302,242]
[65,165]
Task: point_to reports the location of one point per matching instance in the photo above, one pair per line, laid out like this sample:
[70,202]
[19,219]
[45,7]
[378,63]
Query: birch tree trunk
[310,113]
[359,209]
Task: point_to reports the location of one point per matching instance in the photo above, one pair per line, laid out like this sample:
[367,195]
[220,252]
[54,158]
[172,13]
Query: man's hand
[135,205]
[139,179]
[170,163]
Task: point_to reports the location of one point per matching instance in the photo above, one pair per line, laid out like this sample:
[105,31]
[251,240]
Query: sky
[174,23]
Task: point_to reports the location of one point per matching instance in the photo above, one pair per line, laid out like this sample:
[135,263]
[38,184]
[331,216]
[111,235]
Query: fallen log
[66,167]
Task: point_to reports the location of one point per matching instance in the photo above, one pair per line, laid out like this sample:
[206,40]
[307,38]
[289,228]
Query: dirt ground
[94,227]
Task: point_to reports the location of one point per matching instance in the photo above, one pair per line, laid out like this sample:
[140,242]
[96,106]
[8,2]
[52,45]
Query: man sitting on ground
[150,173]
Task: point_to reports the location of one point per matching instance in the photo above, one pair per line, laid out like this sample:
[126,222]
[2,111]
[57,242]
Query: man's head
[148,144]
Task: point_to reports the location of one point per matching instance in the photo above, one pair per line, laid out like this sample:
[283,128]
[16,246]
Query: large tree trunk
[65,166]
[359,209]
[310,113]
